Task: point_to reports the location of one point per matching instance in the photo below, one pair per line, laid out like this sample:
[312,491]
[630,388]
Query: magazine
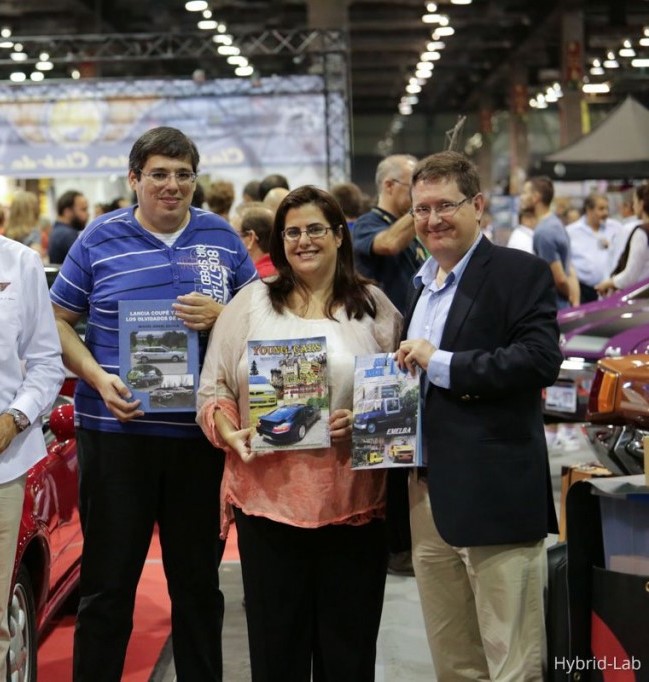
[386,414]
[158,356]
[288,394]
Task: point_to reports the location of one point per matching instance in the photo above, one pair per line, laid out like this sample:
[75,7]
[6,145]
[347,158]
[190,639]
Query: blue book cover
[386,414]
[158,356]
[288,394]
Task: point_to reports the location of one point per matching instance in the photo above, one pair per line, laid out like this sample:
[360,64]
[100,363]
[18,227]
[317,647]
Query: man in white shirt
[631,214]
[591,243]
[32,373]
[522,237]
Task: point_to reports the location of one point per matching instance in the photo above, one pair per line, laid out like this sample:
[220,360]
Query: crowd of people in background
[602,256]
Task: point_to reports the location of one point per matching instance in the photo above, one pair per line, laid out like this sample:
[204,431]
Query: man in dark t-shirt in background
[385,247]
[387,251]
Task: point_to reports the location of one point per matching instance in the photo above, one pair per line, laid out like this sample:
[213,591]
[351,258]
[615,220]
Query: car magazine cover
[288,393]
[386,414]
[158,356]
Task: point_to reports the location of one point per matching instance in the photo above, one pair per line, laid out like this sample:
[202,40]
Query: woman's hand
[340,425]
[239,442]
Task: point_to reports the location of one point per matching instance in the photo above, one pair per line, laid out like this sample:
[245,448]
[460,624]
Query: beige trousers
[11,507]
[483,606]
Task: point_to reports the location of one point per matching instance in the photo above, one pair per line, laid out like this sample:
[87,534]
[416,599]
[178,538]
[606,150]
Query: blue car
[288,424]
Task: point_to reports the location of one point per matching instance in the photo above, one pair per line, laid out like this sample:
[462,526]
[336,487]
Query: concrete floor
[402,654]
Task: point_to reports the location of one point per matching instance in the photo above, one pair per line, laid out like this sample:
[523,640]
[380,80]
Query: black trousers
[127,484]
[398,511]
[313,599]
[587,293]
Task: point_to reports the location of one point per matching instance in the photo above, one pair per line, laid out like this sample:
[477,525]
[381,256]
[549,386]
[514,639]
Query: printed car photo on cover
[386,414]
[288,394]
[158,356]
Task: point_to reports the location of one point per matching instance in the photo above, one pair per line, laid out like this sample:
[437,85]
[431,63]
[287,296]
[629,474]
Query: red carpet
[151,625]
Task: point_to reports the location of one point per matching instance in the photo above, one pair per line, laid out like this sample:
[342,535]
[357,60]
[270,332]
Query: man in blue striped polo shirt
[137,469]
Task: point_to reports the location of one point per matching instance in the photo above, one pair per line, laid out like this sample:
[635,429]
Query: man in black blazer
[483,331]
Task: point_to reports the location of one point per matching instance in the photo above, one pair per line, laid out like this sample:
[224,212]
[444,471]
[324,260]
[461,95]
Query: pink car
[617,325]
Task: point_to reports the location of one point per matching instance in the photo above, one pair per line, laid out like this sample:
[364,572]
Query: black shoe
[400,563]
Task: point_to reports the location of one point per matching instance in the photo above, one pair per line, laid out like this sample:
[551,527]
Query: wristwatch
[21,420]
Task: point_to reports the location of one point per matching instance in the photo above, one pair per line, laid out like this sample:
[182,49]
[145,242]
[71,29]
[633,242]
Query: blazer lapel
[465,295]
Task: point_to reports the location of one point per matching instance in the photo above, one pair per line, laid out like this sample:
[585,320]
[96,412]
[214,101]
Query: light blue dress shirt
[429,317]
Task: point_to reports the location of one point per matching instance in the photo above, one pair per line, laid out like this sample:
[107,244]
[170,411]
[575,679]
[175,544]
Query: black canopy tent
[618,148]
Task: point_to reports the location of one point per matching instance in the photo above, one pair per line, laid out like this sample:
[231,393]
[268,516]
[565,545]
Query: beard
[77,223]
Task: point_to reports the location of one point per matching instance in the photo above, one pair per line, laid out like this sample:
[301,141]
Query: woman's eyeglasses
[314,231]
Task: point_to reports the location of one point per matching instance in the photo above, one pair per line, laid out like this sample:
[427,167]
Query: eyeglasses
[161,178]
[400,182]
[446,209]
[313,231]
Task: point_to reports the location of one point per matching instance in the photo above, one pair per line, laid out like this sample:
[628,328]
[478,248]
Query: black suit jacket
[488,472]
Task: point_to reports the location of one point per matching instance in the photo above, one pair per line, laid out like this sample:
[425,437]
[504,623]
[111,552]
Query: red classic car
[48,556]
[618,411]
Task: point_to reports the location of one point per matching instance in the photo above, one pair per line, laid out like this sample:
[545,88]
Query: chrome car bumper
[618,448]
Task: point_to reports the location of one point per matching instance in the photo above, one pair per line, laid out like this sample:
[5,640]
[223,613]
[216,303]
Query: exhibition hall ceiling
[386,39]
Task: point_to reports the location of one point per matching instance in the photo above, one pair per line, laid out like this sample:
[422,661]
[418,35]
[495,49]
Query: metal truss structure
[323,54]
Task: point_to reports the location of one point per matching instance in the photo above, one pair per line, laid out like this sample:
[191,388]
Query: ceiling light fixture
[640,63]
[5,32]
[17,77]
[443,31]
[37,76]
[461,2]
[228,50]
[196,5]
[596,88]
[596,69]
[610,62]
[432,7]
[208,24]
[627,49]
[244,71]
